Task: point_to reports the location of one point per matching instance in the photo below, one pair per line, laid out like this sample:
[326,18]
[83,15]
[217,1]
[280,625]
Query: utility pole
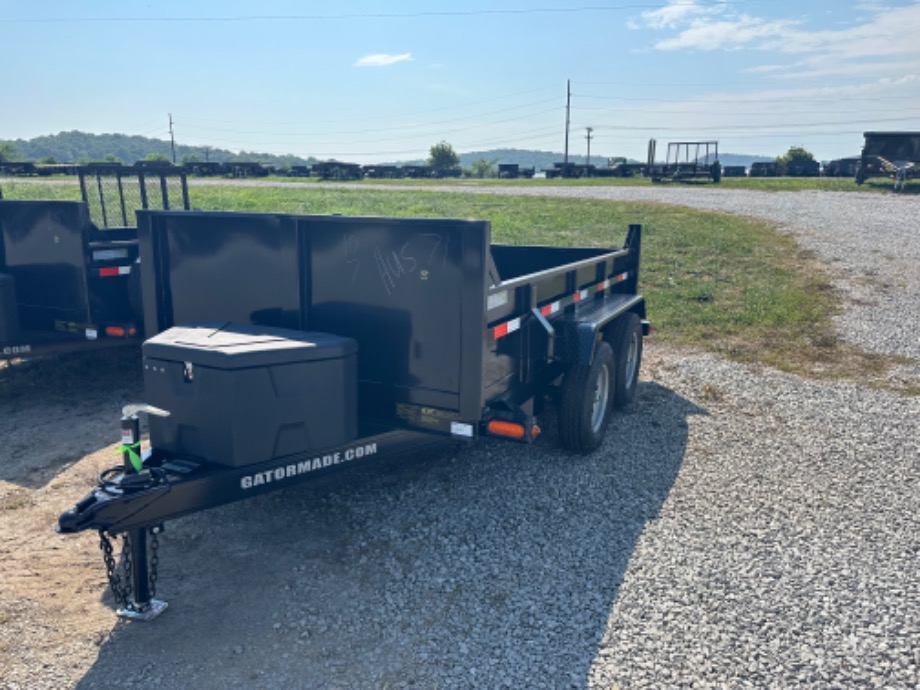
[568,104]
[588,137]
[172,138]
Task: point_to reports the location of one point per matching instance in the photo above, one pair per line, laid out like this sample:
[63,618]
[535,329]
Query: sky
[363,81]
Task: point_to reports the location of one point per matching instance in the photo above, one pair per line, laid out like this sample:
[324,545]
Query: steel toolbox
[239,395]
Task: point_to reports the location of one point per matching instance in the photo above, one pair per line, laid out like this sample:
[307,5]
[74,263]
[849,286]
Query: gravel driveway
[739,528]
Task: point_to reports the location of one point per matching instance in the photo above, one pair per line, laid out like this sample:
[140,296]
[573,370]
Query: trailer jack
[134,583]
[135,586]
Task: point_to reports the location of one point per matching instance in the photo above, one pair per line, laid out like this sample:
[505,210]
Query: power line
[742,99]
[414,126]
[358,15]
[760,127]
[376,117]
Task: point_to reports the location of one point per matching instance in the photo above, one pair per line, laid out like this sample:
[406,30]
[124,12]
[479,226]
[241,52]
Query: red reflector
[501,331]
[509,429]
[547,310]
[110,271]
[115,331]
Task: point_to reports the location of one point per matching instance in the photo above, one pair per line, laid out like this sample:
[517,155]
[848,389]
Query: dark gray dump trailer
[897,152]
[282,347]
[69,269]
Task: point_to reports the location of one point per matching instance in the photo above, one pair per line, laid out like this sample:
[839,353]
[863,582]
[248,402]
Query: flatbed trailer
[685,160]
[455,338]
[69,272]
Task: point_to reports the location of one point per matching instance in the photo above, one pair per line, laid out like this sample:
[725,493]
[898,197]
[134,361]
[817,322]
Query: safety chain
[122,593]
[122,590]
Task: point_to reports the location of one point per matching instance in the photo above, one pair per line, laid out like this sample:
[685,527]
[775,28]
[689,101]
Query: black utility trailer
[69,273]
[407,331]
[896,153]
[336,170]
[841,167]
[766,169]
[686,160]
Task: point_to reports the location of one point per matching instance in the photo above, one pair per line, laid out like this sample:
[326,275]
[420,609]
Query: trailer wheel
[626,340]
[586,401]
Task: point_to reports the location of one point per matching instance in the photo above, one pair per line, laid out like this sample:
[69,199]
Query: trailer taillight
[115,331]
[500,427]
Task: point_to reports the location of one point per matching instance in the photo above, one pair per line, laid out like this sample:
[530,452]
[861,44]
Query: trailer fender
[579,334]
[577,344]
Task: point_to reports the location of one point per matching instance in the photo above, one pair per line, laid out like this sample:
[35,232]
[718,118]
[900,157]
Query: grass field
[763,184]
[714,281]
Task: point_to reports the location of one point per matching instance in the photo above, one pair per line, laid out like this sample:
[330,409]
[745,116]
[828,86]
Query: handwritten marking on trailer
[422,254]
[310,465]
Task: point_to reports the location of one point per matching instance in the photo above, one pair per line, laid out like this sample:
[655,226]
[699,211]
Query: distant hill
[539,160]
[79,147]
[544,160]
[742,159]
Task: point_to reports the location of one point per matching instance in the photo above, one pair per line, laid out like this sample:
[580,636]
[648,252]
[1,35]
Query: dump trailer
[803,168]
[897,153]
[284,347]
[69,272]
[765,169]
[841,167]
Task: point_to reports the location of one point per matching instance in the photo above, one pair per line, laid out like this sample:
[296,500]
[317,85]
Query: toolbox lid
[224,345]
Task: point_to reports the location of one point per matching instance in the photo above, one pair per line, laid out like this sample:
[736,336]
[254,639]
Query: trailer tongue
[285,347]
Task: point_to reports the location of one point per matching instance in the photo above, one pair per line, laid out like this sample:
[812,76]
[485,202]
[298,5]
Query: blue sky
[371,81]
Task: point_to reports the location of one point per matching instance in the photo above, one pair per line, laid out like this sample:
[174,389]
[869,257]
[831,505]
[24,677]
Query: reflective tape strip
[504,329]
[548,309]
[114,271]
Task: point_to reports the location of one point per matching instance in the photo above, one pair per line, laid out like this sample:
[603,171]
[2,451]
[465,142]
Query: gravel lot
[739,528]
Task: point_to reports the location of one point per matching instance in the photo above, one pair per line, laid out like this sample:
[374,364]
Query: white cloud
[886,38]
[705,34]
[383,59]
[677,12]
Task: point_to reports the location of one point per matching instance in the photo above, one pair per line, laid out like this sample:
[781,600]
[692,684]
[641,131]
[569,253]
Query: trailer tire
[626,340]
[586,401]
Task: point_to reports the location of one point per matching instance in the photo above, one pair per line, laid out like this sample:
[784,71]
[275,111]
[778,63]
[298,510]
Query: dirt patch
[59,424]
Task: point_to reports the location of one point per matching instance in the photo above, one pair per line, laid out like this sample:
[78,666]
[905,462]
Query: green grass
[63,189]
[714,281]
[764,184]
